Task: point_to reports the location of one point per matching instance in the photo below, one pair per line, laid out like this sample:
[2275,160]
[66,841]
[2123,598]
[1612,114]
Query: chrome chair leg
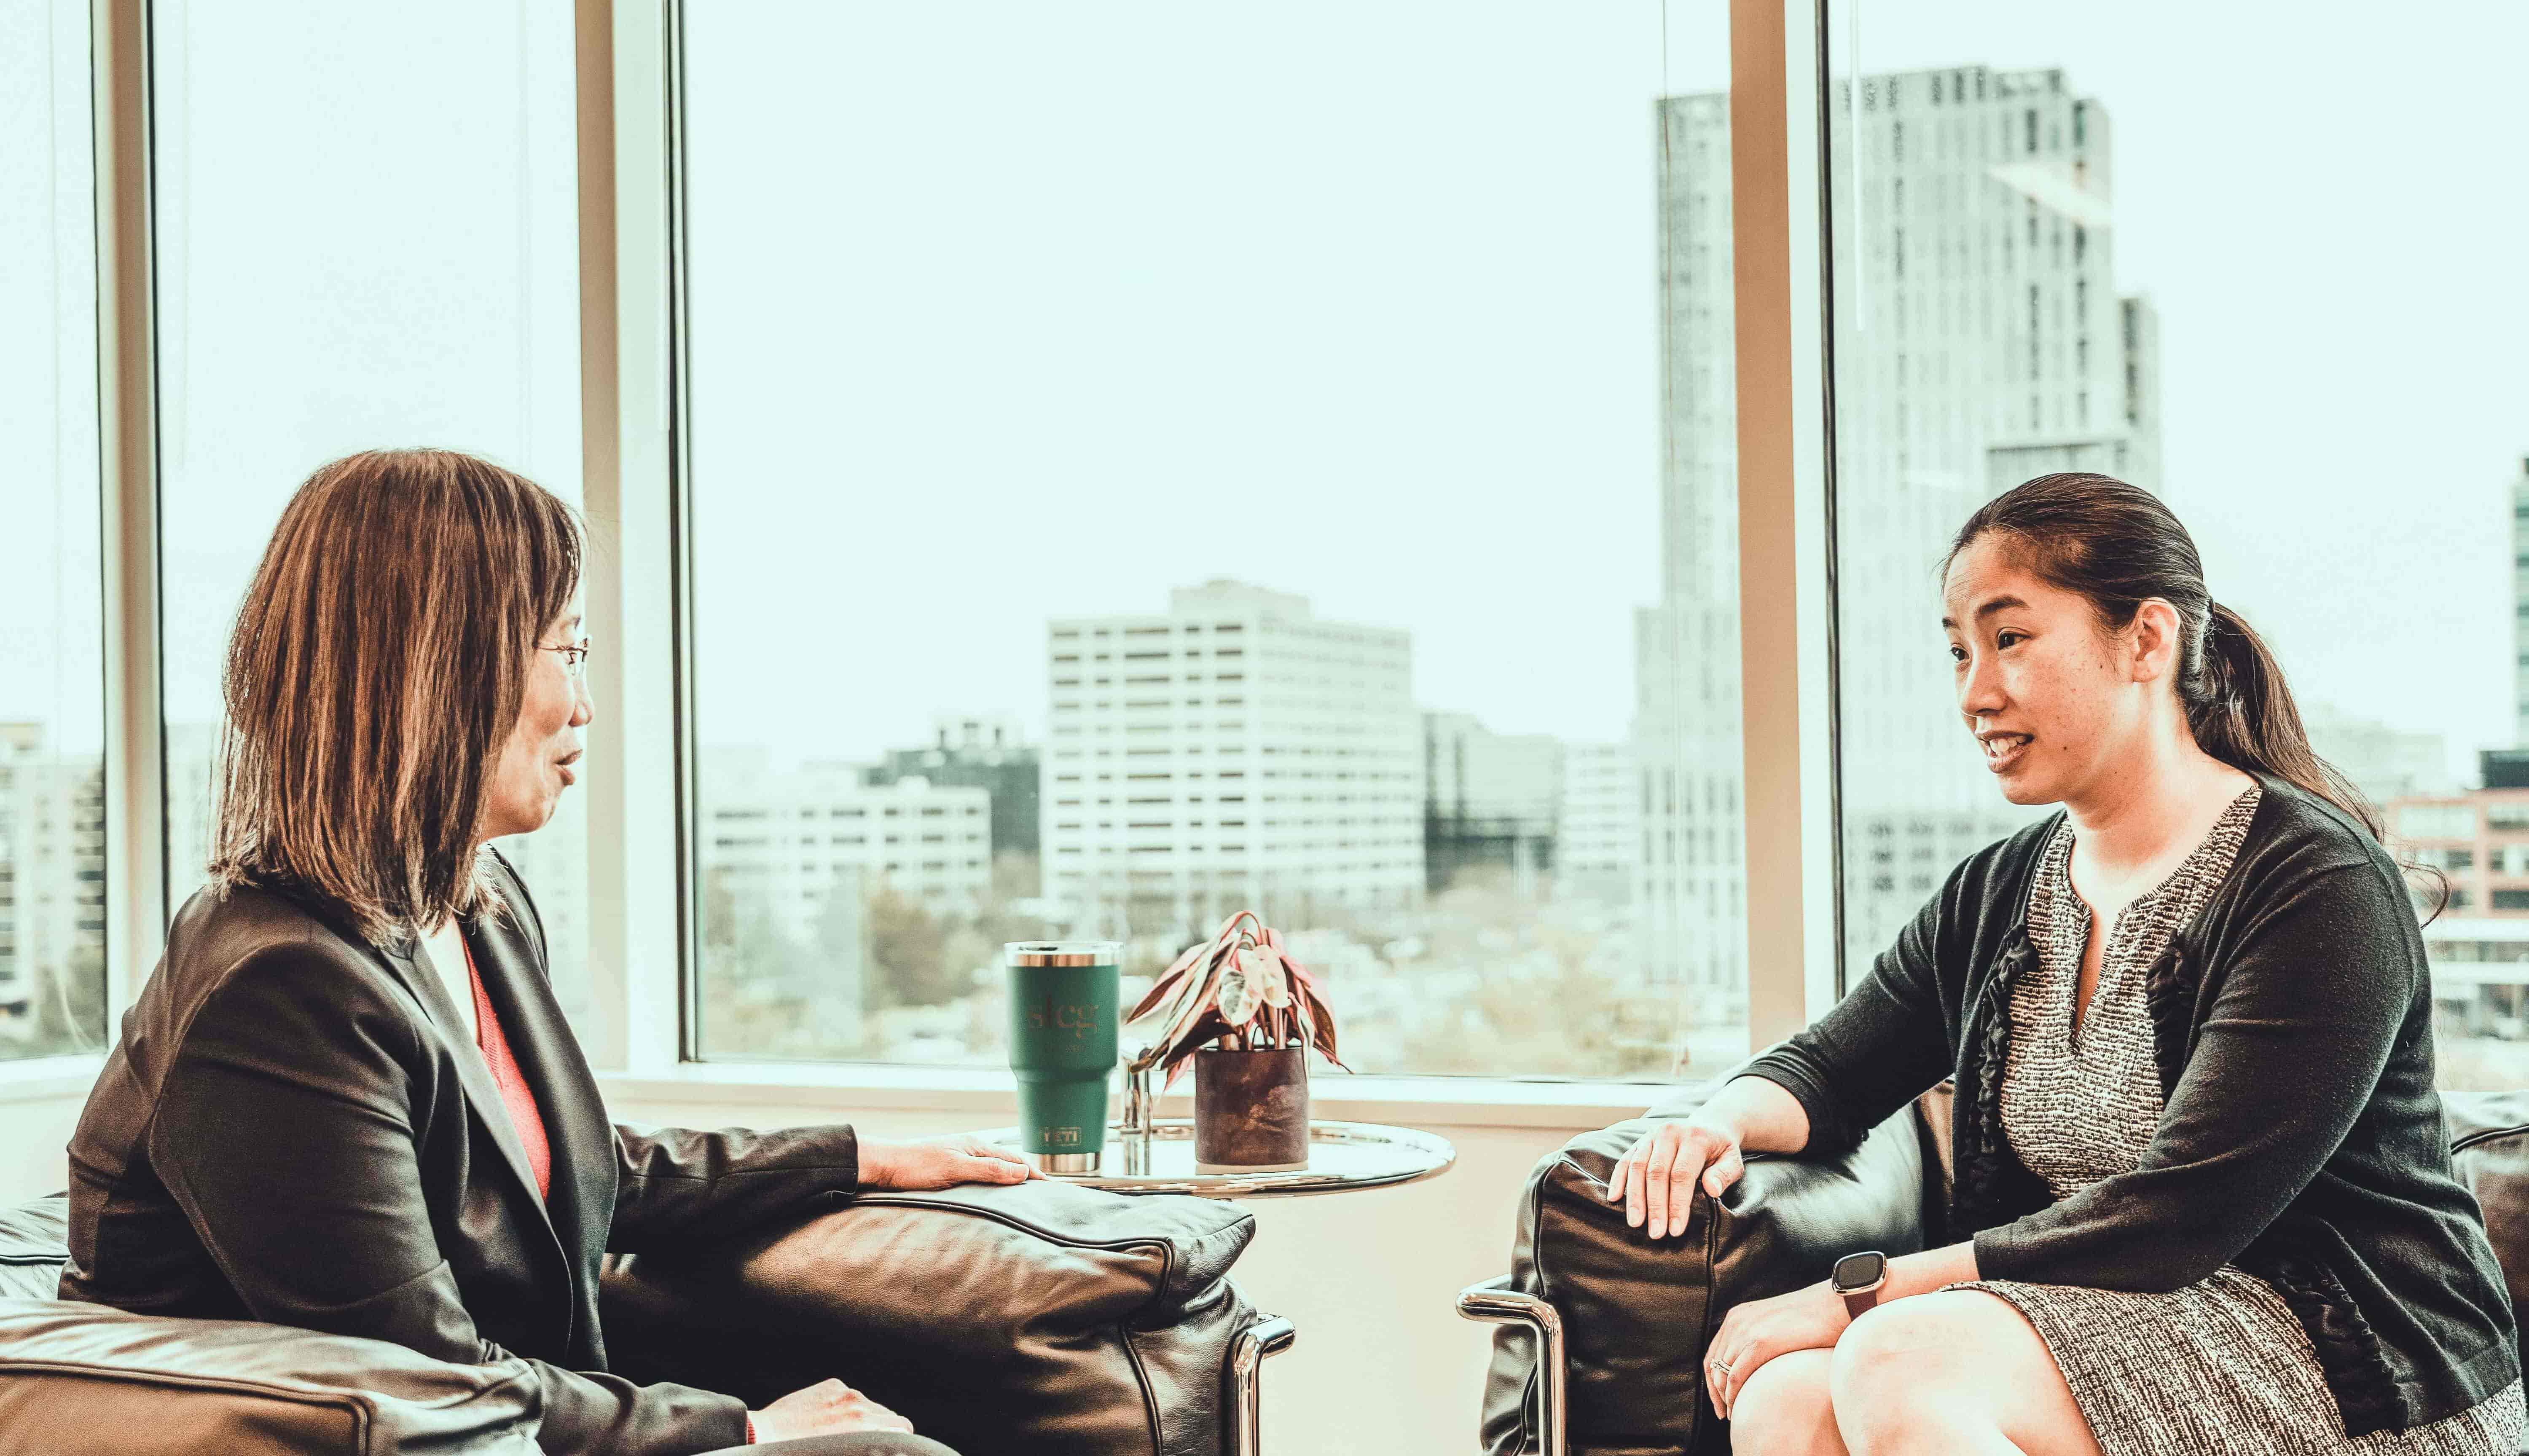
[1248,1351]
[1494,1301]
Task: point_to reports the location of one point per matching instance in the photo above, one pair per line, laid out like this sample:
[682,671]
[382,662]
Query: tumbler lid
[1062,953]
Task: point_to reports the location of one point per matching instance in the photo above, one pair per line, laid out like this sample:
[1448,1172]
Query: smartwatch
[1858,1278]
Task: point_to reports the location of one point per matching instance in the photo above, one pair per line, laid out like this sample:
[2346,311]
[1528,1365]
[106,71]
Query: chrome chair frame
[1258,1342]
[1494,1301]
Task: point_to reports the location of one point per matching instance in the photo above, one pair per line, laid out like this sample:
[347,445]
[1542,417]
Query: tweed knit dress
[2221,1364]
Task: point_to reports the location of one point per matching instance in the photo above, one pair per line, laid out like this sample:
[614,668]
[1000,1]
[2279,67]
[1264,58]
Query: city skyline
[1478,467]
[2177,196]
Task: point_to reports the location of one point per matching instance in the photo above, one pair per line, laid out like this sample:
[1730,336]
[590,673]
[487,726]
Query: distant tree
[907,952]
[1016,875]
[719,908]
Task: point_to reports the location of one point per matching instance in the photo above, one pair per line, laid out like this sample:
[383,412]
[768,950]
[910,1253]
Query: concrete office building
[1598,832]
[1980,341]
[793,856]
[52,881]
[1234,750]
[2479,945]
[1488,798]
[781,836]
[986,751]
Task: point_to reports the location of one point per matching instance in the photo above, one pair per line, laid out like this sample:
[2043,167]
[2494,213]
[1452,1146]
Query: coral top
[515,1095]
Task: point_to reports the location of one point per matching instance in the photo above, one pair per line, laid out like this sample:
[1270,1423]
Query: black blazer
[2300,1137]
[288,1132]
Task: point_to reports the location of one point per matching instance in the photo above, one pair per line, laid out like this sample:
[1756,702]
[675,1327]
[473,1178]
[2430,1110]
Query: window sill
[47,1078]
[985,1095]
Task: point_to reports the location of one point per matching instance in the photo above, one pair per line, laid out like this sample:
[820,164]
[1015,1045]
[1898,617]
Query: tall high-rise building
[1234,750]
[1980,341]
[1689,906]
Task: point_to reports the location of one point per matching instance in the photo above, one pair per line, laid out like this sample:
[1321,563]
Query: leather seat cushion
[83,1378]
[1037,1316]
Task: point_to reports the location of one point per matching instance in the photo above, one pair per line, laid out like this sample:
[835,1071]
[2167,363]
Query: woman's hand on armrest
[1656,1176]
[940,1162]
[826,1407]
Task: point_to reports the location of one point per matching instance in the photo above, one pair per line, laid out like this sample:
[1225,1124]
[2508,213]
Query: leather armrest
[84,1378]
[2490,1154]
[34,1242]
[1636,1313]
[1037,1316]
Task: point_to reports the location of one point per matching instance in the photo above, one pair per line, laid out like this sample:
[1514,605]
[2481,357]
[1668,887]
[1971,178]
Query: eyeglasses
[574,659]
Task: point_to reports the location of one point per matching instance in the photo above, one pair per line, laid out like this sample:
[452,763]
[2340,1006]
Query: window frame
[636,438]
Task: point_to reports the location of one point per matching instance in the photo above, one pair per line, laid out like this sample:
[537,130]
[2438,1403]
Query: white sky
[1006,310]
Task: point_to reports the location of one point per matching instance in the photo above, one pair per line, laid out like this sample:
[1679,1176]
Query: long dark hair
[2117,546]
[376,671]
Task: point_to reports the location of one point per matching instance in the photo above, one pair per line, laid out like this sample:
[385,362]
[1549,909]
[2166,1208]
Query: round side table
[1343,1157]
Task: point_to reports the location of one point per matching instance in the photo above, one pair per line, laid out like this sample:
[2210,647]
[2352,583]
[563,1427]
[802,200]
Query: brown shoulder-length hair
[377,669]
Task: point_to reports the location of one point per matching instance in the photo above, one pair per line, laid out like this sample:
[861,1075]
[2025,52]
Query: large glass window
[2292,310]
[1150,459]
[367,237]
[52,680]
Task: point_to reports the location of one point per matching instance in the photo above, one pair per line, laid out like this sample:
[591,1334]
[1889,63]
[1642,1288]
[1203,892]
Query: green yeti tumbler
[1063,1044]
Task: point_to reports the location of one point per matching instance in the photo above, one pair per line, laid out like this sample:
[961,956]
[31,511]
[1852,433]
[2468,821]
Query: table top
[1343,1157]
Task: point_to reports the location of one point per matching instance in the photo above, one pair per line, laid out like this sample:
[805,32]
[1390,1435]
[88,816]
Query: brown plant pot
[1250,1109]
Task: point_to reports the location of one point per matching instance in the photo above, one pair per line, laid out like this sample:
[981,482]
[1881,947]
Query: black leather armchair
[1036,1318]
[1602,1349]
[1604,1328]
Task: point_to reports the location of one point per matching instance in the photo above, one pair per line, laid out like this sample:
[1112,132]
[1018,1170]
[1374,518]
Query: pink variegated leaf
[1169,980]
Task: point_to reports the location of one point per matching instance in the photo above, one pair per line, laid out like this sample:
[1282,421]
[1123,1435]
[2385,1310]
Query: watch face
[1858,1272]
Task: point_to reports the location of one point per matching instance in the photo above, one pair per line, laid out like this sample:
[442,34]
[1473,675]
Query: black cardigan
[2302,1138]
[289,1132]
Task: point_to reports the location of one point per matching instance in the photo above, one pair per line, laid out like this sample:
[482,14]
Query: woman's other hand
[826,1407]
[1751,1333]
[940,1162]
[1656,1176]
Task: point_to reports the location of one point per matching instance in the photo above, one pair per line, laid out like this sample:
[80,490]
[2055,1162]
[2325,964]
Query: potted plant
[1243,1011]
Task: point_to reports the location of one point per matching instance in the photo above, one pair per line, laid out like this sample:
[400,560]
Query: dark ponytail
[2118,546]
[2243,713]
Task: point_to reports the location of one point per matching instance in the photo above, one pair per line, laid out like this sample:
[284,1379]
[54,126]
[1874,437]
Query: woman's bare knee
[1952,1361]
[1784,1409]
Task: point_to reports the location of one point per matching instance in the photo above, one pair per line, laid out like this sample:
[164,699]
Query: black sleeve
[678,1187]
[2295,1045]
[283,1129]
[1881,1047]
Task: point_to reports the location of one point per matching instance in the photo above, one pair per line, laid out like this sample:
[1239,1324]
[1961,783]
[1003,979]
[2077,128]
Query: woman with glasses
[346,1099]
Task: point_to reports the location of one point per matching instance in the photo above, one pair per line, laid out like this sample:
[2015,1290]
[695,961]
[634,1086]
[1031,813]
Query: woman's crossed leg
[1956,1370]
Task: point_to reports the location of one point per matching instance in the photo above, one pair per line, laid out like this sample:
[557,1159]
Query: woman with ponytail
[2202,1197]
